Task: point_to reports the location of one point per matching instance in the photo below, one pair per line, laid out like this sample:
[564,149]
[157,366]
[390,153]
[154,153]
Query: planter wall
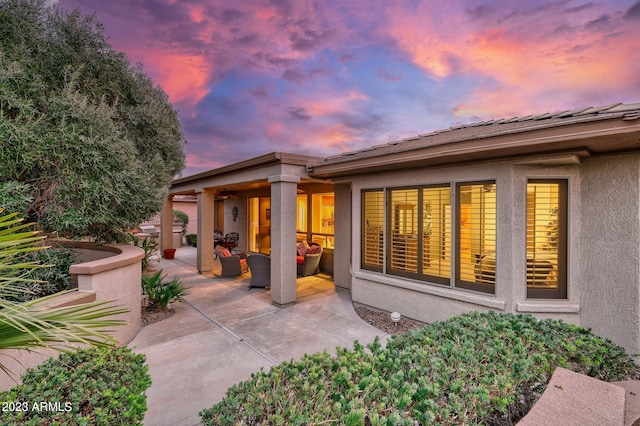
[110,272]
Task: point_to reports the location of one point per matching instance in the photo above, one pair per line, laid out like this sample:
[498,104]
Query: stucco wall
[431,302]
[610,248]
[115,277]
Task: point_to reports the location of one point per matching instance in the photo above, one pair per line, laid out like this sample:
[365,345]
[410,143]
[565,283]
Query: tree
[89,138]
[30,325]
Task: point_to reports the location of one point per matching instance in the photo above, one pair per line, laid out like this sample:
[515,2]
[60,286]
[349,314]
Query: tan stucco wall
[116,277]
[603,248]
[610,248]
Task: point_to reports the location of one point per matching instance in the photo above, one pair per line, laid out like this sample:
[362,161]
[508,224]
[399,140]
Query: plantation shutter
[373,230]
[546,239]
[476,236]
[436,234]
[403,254]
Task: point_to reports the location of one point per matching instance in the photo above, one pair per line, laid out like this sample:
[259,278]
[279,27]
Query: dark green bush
[90,386]
[161,292]
[478,368]
[192,239]
[181,216]
[53,279]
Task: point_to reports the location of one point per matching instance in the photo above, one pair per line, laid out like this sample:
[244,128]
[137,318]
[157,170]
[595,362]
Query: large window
[410,232]
[476,236]
[318,211]
[372,229]
[322,219]
[546,239]
[436,234]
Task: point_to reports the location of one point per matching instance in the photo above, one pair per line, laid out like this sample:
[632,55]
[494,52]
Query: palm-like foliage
[33,324]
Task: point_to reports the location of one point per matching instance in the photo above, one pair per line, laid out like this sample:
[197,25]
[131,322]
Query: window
[436,234]
[301,217]
[373,230]
[546,239]
[411,230]
[403,231]
[476,236]
[322,223]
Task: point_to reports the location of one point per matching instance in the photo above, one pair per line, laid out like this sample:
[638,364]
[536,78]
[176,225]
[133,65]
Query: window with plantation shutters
[436,234]
[476,236]
[372,230]
[403,231]
[546,239]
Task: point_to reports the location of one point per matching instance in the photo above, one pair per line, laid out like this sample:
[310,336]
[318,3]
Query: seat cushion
[300,260]
[243,261]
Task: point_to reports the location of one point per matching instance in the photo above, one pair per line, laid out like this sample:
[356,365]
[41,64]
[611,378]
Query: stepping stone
[575,399]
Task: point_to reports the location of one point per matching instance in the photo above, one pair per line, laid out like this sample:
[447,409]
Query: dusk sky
[322,77]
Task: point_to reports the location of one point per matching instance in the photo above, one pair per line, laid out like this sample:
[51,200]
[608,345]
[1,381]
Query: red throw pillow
[225,252]
[301,249]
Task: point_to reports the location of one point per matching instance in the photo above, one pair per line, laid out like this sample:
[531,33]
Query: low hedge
[478,368]
[89,386]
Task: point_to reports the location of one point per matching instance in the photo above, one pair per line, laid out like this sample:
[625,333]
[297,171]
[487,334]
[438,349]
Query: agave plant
[33,324]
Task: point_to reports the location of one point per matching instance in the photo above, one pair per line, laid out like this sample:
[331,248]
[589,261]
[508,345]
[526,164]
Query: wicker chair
[309,264]
[232,264]
[260,267]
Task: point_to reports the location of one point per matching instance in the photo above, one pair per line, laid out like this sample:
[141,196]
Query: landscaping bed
[477,368]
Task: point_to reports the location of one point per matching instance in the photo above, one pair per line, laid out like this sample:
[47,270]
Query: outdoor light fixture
[395,317]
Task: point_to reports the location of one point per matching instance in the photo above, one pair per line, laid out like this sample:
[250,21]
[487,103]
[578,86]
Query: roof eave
[596,136]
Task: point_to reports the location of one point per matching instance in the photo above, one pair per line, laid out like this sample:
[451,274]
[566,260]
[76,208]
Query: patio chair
[260,267]
[309,263]
[232,264]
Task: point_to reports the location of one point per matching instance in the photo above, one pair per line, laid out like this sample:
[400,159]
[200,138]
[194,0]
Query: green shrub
[192,239]
[90,386]
[182,217]
[478,368]
[161,292]
[51,280]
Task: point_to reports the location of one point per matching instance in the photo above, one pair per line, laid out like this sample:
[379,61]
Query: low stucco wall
[115,274]
[114,278]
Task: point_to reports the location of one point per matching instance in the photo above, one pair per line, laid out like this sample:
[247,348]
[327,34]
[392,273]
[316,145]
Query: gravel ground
[149,316]
[381,321]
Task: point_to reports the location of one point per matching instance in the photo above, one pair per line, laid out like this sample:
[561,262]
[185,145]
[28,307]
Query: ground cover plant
[478,368]
[161,292]
[91,386]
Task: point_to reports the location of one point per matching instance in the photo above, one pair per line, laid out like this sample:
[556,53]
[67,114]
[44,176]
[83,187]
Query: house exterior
[537,214]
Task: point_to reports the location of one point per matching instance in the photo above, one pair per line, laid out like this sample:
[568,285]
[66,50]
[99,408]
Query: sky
[249,77]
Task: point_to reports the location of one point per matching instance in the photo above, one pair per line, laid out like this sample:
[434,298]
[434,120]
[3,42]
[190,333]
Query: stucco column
[206,224]
[166,225]
[283,239]
[342,236]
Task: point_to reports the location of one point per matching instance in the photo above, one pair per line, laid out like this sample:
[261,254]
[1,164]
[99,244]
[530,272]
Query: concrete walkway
[223,332]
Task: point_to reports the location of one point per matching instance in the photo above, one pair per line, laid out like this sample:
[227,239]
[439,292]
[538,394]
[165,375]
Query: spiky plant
[33,324]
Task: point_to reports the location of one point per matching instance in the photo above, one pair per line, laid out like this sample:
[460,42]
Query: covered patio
[272,203]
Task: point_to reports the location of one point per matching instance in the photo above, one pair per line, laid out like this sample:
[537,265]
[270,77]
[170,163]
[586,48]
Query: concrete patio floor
[223,332]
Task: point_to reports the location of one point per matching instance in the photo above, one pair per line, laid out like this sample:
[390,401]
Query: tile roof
[492,128]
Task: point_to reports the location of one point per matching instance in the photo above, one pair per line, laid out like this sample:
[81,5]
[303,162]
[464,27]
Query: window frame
[561,292]
[363,229]
[458,282]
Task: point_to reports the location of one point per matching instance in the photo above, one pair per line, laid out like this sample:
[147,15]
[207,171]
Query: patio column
[342,238]
[206,224]
[283,239]
[166,225]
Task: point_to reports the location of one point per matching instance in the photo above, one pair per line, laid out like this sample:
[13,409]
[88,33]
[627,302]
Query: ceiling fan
[224,194]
